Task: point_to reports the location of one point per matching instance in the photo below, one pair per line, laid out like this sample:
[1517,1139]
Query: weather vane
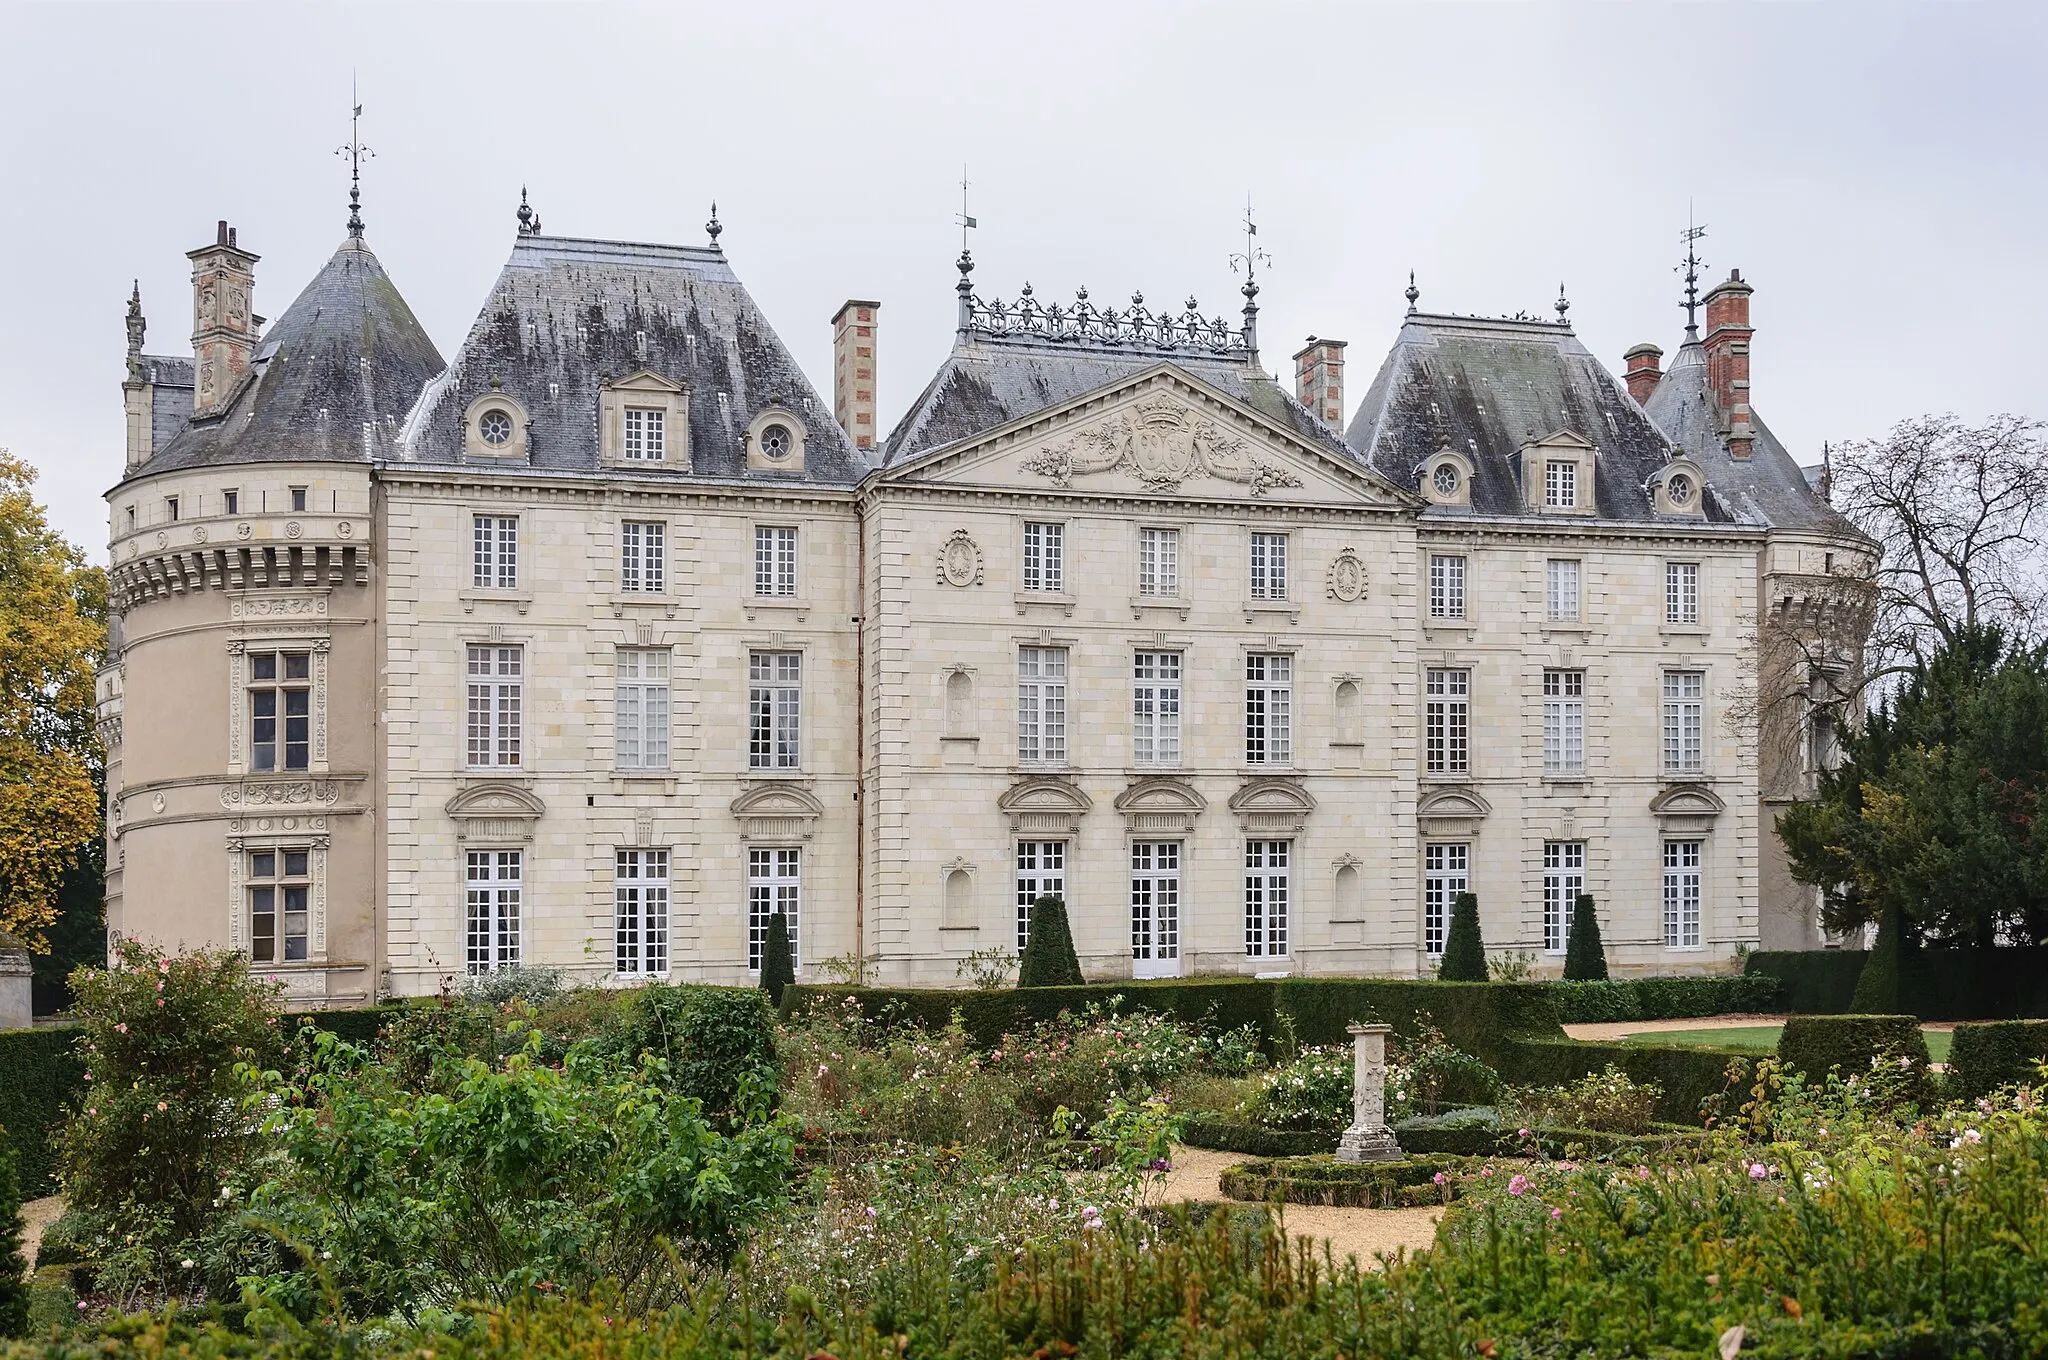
[1689,238]
[357,153]
[1252,255]
[965,220]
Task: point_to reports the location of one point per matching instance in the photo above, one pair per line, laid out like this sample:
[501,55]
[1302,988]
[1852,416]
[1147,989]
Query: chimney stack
[853,370]
[1727,346]
[1643,369]
[1319,380]
[223,325]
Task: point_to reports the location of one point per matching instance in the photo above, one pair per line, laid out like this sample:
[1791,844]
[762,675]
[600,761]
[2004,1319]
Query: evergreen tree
[1464,951]
[1585,958]
[13,1266]
[1877,987]
[1049,959]
[778,967]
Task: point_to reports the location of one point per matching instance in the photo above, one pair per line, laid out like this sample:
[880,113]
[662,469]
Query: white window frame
[1268,897]
[1682,892]
[1159,563]
[496,705]
[1041,705]
[1269,566]
[1560,484]
[774,560]
[1041,872]
[494,555]
[1269,709]
[281,883]
[283,691]
[1446,872]
[641,894]
[1564,722]
[1446,586]
[1561,578]
[1681,594]
[1155,708]
[496,884]
[1447,721]
[775,702]
[1045,556]
[775,882]
[641,707]
[643,556]
[645,434]
[1685,709]
[1564,878]
[1155,900]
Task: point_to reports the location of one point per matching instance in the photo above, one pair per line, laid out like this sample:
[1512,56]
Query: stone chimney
[223,324]
[1319,380]
[1727,346]
[1642,370]
[853,370]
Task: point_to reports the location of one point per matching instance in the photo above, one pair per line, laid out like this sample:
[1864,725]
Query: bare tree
[1958,511]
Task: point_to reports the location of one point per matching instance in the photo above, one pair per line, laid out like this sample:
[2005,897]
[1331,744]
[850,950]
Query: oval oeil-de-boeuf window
[496,428]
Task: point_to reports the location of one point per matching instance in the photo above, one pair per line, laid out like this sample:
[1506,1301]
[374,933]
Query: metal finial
[1251,259]
[1137,299]
[1562,305]
[1193,305]
[1692,264]
[527,226]
[136,327]
[1411,293]
[965,221]
[357,153]
[712,228]
[1826,486]
[1081,293]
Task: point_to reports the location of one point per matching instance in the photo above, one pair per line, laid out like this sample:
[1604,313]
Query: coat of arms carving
[1347,577]
[960,560]
[1162,443]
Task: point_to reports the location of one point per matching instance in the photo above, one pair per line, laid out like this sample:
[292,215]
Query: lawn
[1764,1039]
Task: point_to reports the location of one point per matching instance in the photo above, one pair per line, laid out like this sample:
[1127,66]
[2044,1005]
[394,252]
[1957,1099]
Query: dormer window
[643,419]
[646,434]
[1445,480]
[1678,488]
[1560,485]
[776,442]
[495,428]
[1557,475]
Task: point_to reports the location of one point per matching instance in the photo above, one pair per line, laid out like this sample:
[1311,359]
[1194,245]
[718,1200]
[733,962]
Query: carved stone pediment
[500,813]
[1162,442]
[1452,811]
[645,380]
[777,812]
[1274,806]
[1687,809]
[1161,805]
[1044,805]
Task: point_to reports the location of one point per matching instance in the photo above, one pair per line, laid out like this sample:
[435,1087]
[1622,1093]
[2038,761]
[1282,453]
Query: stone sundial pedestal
[1369,1139]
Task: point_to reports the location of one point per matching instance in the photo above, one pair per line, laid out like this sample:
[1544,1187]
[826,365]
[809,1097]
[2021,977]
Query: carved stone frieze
[280,793]
[1162,443]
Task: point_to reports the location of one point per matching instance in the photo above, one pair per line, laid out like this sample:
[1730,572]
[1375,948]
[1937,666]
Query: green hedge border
[1687,1075]
[1256,1140]
[1407,1183]
[1551,1143]
[1934,984]
[1667,998]
[1995,1053]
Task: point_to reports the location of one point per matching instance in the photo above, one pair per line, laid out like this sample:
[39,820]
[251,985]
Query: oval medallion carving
[1347,577]
[960,561]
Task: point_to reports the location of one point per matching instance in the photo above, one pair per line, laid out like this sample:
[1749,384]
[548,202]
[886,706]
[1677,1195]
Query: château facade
[598,643]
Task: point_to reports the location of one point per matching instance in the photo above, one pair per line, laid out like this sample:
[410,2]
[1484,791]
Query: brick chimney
[1642,370]
[1319,380]
[853,370]
[223,323]
[1727,346]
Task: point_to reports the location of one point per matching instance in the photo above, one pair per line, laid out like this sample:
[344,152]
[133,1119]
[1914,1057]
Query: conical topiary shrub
[1877,986]
[778,966]
[1464,951]
[1585,958]
[1049,959]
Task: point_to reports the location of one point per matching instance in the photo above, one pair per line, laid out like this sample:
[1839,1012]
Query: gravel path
[36,1215]
[1621,1029]
[1362,1233]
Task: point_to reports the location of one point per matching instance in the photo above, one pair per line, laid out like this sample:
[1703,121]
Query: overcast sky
[1875,171]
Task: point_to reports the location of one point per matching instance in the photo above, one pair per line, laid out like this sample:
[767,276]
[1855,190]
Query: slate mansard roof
[567,314]
[329,382]
[1487,387]
[171,381]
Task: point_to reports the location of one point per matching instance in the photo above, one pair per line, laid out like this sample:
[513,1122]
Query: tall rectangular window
[643,557]
[1155,901]
[1445,869]
[640,894]
[1684,717]
[1564,722]
[774,560]
[495,565]
[775,709]
[1561,590]
[171,508]
[1042,705]
[1564,878]
[774,883]
[1681,894]
[1560,485]
[1681,592]
[279,884]
[1266,897]
[641,708]
[280,710]
[646,434]
[1045,557]
[230,502]
[1159,562]
[1155,709]
[496,681]
[1269,566]
[1041,872]
[1268,709]
[495,886]
[1447,721]
[1446,587]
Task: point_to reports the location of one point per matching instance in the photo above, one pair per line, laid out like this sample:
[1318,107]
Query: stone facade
[596,644]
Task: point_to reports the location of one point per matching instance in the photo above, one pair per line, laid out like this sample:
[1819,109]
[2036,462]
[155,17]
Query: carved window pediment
[777,812]
[1044,806]
[495,812]
[1687,808]
[1272,806]
[1451,812]
[1161,806]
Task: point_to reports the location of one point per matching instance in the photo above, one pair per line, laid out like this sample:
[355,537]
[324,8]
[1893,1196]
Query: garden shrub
[1464,951]
[1082,1061]
[1221,1133]
[1810,981]
[1343,1185]
[1687,1075]
[1312,1093]
[1049,959]
[41,1070]
[1989,1055]
[1878,986]
[712,1041]
[1585,958]
[1665,998]
[159,1126]
[14,1286]
[1817,1044]
[778,968]
[519,982]
[1608,1101]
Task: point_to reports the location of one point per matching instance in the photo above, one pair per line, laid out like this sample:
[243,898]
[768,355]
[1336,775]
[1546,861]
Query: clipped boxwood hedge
[1811,981]
[1343,1185]
[1666,998]
[1688,1075]
[39,1073]
[1816,1044]
[1220,1134]
[1995,1053]
[1934,984]
[1485,1142]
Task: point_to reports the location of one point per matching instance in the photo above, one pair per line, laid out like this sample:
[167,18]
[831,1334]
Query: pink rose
[1517,1185]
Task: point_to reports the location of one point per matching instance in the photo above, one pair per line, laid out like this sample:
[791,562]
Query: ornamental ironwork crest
[960,561]
[1162,443]
[1347,577]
